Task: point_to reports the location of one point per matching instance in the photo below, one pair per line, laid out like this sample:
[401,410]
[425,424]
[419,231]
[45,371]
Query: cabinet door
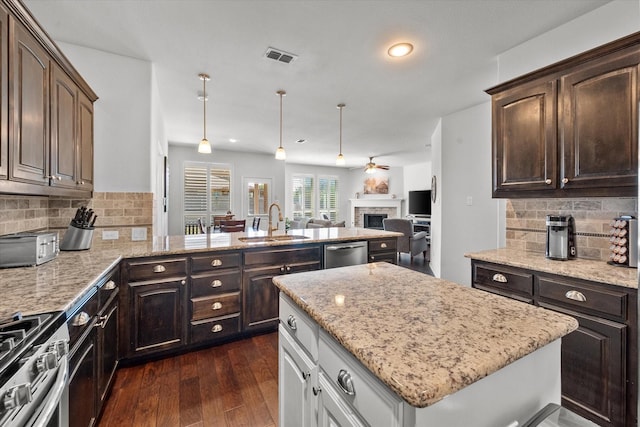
[85,143]
[107,349]
[524,139]
[599,125]
[296,376]
[260,307]
[82,384]
[4,94]
[30,119]
[64,107]
[332,411]
[593,370]
[157,316]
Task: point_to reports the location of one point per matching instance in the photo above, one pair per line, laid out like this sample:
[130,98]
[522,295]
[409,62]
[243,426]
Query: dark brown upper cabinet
[570,129]
[4,94]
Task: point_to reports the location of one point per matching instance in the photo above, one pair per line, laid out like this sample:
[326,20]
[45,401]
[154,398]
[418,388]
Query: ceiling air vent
[280,55]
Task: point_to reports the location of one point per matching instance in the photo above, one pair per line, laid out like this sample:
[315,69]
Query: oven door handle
[54,396]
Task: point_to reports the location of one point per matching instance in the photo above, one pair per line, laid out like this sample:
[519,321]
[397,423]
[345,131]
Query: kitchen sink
[259,239]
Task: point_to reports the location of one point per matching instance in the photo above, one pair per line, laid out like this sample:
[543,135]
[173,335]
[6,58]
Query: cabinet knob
[216,263]
[159,268]
[305,375]
[216,328]
[288,268]
[183,282]
[576,296]
[316,391]
[372,258]
[346,382]
[109,286]
[547,181]
[383,245]
[500,278]
[291,321]
[565,180]
[216,283]
[282,269]
[216,306]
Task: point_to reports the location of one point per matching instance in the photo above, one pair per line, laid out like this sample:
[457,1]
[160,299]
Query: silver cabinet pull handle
[346,382]
[291,321]
[110,285]
[81,319]
[216,263]
[547,181]
[288,268]
[216,328]
[565,180]
[216,306]
[216,283]
[159,268]
[383,245]
[576,296]
[499,278]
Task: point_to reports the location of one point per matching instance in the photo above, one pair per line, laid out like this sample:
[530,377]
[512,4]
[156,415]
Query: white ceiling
[392,105]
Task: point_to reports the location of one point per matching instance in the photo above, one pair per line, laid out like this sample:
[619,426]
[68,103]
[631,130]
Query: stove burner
[13,333]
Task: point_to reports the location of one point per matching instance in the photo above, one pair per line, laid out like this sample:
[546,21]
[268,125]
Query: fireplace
[374,221]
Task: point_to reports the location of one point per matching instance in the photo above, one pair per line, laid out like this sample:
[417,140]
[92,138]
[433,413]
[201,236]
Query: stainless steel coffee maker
[560,237]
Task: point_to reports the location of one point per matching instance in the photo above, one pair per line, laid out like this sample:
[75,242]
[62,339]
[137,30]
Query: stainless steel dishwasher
[343,254]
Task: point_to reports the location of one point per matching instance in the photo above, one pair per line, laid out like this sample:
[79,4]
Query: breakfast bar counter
[426,338]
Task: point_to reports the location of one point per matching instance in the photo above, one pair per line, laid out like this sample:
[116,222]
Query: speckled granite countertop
[423,337]
[597,271]
[57,285]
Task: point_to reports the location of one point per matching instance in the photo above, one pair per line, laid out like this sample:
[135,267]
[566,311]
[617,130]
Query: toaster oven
[24,249]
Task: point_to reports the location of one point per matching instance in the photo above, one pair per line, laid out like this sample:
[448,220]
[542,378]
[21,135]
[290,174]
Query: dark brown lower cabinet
[107,347]
[82,380]
[600,358]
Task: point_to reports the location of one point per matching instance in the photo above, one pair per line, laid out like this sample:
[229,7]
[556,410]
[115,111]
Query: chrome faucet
[270,228]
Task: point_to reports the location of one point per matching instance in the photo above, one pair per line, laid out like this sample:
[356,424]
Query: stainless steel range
[34,370]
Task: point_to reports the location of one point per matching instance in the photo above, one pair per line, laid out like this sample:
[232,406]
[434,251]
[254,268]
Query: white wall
[122,124]
[468,221]
[159,148]
[242,165]
[416,177]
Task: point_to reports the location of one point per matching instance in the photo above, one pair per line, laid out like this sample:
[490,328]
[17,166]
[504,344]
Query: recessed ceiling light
[301,141]
[400,49]
[233,141]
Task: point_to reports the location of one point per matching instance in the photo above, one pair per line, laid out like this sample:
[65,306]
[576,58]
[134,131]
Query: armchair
[411,242]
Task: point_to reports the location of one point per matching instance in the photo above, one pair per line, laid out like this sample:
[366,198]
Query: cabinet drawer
[509,281]
[155,269]
[283,256]
[391,257]
[371,399]
[83,317]
[215,306]
[583,298]
[215,328]
[212,284]
[299,325]
[383,245]
[215,261]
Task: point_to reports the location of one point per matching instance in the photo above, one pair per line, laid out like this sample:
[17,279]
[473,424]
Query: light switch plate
[110,235]
[139,233]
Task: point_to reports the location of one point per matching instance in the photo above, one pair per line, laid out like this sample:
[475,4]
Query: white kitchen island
[382,345]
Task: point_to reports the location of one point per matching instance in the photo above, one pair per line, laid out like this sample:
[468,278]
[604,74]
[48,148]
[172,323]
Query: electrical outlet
[139,233]
[469,200]
[110,235]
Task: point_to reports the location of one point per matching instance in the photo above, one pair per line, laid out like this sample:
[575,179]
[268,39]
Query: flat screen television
[420,202]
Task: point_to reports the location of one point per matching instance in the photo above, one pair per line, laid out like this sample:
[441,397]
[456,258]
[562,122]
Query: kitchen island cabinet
[393,343]
[599,359]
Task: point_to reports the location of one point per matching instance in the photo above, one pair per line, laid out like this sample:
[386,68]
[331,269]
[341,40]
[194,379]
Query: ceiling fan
[371,167]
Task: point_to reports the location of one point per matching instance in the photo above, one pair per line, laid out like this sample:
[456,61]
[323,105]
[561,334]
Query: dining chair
[231,225]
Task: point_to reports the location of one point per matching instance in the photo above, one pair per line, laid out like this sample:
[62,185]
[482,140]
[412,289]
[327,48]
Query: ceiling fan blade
[384,167]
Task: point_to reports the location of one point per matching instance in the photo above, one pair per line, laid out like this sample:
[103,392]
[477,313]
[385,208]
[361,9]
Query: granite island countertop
[423,337]
[58,284]
[593,270]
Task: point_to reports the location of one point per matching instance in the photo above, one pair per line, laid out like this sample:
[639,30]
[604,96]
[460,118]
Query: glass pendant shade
[340,160]
[370,170]
[204,147]
[280,154]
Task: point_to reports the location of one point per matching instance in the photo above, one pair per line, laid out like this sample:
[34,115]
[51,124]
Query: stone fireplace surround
[391,207]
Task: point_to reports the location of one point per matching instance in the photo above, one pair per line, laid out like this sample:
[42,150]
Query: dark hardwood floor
[230,385]
[234,384]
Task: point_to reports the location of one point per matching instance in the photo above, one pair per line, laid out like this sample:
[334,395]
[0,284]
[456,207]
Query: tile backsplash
[116,212]
[526,227]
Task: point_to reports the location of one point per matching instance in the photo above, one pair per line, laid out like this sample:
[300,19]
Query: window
[328,197]
[309,193]
[257,196]
[302,196]
[206,192]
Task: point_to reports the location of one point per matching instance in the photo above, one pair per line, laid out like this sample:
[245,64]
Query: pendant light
[280,154]
[204,147]
[340,160]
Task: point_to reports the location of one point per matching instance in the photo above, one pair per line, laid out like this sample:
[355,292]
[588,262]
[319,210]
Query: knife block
[76,239]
